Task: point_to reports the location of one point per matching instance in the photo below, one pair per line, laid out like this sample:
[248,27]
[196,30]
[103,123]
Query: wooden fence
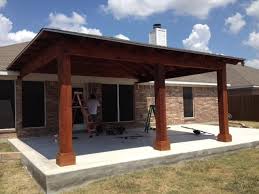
[244,108]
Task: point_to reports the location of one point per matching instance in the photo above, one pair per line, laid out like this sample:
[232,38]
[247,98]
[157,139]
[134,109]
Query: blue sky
[204,24]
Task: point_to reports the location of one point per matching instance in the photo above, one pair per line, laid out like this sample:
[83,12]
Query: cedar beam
[177,72]
[128,54]
[66,154]
[224,135]
[161,142]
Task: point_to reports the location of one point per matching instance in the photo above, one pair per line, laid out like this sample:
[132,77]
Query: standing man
[92,105]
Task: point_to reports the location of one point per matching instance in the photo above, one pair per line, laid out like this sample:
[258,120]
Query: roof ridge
[15,44]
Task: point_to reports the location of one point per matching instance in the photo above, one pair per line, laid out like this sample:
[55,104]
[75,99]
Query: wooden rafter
[46,56]
[130,55]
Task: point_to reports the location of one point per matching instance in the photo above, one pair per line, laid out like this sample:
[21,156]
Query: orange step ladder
[78,101]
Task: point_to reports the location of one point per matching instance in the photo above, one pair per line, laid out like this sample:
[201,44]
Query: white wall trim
[243,87]
[8,75]
[12,73]
[184,84]
[190,83]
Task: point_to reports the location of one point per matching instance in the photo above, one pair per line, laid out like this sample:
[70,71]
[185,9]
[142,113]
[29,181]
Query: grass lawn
[230,173]
[249,124]
[14,179]
[6,147]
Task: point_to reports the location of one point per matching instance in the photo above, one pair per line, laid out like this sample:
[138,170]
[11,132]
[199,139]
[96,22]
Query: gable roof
[90,55]
[57,34]
[8,54]
[237,75]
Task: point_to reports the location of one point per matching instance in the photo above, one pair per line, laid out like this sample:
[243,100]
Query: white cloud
[253,40]
[143,8]
[8,37]
[121,36]
[235,23]
[253,9]
[199,38]
[21,36]
[2,3]
[6,34]
[75,23]
[253,63]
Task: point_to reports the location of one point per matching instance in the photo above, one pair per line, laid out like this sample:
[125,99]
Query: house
[38,78]
[179,109]
[243,90]
[189,98]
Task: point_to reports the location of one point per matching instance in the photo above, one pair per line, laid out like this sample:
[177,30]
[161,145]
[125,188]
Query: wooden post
[224,135]
[161,141]
[66,154]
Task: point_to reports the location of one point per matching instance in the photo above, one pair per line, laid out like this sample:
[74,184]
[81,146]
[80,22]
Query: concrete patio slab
[103,155]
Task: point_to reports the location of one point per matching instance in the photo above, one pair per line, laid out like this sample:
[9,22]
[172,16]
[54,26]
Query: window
[117,102]
[7,110]
[109,103]
[126,95]
[33,104]
[188,102]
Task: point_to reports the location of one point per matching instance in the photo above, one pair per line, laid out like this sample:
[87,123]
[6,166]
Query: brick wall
[204,99]
[52,96]
[205,106]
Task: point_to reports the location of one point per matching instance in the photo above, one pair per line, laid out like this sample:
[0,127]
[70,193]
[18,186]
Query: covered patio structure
[68,53]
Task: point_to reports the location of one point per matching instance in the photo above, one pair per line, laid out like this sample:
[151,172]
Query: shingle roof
[237,75]
[8,53]
[243,76]
[210,77]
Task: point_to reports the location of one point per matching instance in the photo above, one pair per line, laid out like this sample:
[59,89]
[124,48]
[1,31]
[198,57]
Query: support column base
[162,145]
[224,137]
[66,159]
